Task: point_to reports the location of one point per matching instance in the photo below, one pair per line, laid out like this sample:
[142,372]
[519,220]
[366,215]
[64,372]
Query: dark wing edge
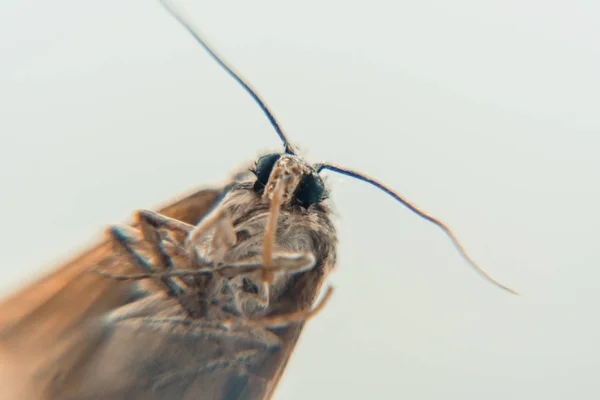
[41,323]
[307,286]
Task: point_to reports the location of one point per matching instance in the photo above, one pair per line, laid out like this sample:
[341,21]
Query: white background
[483,113]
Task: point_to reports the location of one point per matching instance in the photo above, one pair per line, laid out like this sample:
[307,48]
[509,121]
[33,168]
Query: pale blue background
[484,113]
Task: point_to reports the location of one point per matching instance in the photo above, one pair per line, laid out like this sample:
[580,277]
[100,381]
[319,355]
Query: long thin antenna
[419,212]
[289,148]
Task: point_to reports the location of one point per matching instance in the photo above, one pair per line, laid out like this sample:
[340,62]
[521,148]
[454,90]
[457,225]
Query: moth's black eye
[311,190]
[264,166]
[263,169]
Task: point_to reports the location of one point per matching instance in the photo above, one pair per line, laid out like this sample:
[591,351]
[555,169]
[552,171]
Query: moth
[204,298]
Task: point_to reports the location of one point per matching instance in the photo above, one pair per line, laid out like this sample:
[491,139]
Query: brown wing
[37,322]
[144,354]
[53,346]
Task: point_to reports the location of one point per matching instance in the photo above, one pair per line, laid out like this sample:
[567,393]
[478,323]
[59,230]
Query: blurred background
[483,113]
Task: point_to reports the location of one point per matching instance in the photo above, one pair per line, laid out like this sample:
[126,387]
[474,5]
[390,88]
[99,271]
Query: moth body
[204,317]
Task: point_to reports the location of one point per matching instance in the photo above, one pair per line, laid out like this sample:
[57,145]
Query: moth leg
[153,227]
[125,238]
[168,240]
[288,263]
[159,221]
[224,237]
[251,298]
[270,239]
[152,223]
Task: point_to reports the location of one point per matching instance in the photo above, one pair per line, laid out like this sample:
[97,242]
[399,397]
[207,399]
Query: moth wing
[150,356]
[146,358]
[42,324]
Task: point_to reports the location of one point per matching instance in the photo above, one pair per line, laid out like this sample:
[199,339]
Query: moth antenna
[289,148]
[416,210]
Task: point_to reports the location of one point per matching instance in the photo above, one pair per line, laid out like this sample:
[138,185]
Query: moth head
[302,183]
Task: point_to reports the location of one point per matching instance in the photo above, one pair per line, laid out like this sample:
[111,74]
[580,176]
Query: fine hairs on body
[203,298]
